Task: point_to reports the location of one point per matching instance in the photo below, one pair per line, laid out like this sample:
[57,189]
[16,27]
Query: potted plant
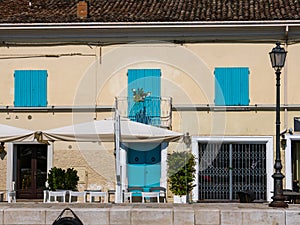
[71,179]
[56,179]
[60,179]
[181,174]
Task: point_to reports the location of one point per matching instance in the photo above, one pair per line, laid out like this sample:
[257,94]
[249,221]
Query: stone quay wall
[151,214]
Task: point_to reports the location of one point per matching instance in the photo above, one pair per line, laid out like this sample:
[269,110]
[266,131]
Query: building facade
[212,79]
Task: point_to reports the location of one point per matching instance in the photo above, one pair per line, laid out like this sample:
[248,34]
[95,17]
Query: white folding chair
[46,196]
[127,196]
[11,197]
[11,194]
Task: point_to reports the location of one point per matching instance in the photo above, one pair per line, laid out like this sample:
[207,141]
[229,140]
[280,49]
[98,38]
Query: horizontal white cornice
[176,32]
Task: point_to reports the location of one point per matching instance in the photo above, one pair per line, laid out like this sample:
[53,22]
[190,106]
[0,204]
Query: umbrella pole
[118,168]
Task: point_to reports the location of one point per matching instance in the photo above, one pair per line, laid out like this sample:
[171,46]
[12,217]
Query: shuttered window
[232,86]
[147,110]
[30,88]
[148,79]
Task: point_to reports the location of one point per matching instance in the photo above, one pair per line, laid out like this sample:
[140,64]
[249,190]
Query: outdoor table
[1,196]
[110,193]
[96,193]
[56,194]
[294,195]
[150,195]
[77,194]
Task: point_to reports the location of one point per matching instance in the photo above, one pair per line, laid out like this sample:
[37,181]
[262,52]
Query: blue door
[144,167]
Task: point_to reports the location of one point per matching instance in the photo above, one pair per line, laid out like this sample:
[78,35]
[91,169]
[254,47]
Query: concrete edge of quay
[151,213]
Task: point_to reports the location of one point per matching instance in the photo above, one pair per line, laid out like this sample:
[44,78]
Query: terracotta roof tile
[64,11]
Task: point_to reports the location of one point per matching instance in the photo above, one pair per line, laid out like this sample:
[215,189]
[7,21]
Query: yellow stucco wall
[96,75]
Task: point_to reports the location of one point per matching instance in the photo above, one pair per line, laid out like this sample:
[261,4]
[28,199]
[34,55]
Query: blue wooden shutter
[232,86]
[149,81]
[30,88]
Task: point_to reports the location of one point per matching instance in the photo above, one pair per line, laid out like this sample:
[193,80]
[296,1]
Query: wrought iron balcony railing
[156,111]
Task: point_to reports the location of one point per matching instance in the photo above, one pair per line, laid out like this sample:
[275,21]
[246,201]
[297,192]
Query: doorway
[31,170]
[144,168]
[227,168]
[295,165]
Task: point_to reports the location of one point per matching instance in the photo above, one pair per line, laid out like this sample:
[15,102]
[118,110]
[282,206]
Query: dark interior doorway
[296,164]
[31,170]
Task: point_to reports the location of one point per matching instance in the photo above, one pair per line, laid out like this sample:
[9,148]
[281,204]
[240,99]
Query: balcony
[156,111]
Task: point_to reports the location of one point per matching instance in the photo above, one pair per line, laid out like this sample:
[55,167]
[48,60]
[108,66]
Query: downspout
[285,90]
[285,100]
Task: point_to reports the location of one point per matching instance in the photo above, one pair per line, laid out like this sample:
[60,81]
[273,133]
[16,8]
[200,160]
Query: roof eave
[183,32]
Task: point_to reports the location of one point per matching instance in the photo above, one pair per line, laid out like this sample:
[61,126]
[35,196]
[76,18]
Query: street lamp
[277,56]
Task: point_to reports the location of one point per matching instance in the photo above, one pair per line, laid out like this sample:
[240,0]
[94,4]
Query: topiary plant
[59,178]
[181,173]
[71,179]
[56,179]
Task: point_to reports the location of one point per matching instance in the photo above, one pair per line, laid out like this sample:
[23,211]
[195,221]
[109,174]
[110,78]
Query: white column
[10,165]
[164,166]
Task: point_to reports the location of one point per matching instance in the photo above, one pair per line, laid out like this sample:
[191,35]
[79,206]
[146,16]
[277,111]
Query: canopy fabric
[103,130]
[11,133]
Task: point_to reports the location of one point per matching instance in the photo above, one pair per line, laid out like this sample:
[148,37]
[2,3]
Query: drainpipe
[285,90]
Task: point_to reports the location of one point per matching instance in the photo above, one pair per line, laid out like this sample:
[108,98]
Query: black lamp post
[277,56]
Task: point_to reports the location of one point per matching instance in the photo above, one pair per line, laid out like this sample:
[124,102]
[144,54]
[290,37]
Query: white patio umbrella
[109,130]
[11,133]
[104,131]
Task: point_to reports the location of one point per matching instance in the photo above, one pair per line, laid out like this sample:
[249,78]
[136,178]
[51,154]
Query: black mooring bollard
[67,220]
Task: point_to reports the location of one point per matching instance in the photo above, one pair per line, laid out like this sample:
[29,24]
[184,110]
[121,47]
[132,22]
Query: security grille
[226,169]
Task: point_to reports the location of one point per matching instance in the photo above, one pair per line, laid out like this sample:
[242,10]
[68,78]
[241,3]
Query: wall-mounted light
[3,153]
[187,140]
[283,143]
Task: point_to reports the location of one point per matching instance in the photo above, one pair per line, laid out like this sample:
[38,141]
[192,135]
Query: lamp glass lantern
[277,56]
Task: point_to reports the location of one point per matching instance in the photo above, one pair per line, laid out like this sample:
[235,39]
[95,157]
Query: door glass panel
[41,167]
[25,155]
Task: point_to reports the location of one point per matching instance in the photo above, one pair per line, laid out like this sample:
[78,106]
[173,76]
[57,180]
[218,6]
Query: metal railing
[226,169]
[156,111]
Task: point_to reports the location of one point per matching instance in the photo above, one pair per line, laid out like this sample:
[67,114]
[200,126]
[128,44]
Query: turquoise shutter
[149,81]
[232,86]
[30,88]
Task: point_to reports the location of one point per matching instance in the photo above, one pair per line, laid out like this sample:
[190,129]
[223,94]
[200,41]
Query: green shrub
[71,179]
[181,172]
[59,178]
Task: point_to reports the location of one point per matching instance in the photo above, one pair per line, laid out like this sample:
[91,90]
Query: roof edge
[153,24]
